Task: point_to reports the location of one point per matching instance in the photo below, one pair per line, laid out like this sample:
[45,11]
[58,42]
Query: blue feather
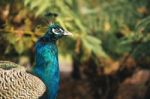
[46,64]
[47,67]
[46,60]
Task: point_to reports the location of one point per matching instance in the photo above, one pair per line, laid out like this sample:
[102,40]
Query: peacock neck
[47,66]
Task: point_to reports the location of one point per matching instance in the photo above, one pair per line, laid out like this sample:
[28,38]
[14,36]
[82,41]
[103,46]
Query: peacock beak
[67,33]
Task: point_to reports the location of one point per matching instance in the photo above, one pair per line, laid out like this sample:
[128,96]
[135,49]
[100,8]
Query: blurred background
[107,58]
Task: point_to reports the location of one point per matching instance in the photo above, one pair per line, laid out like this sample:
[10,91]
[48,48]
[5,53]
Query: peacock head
[55,32]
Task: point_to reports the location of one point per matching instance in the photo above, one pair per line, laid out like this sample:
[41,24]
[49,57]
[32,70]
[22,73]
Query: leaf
[79,24]
[42,9]
[19,47]
[93,45]
[35,3]
[93,39]
[143,24]
[8,49]
[26,2]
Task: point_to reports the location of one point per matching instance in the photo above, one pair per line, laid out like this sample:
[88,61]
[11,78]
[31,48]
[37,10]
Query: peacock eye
[57,30]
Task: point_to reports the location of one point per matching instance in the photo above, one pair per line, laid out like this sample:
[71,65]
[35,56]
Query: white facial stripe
[60,31]
[54,31]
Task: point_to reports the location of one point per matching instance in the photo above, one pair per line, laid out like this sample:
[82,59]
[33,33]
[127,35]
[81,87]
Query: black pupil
[57,30]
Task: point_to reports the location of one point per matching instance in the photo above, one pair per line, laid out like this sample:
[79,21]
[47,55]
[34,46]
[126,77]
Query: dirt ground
[133,87]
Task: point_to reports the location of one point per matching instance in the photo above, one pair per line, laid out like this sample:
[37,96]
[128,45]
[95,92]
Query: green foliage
[34,4]
[93,44]
[70,20]
[107,28]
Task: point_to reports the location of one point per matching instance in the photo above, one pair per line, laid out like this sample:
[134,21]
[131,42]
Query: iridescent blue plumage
[46,60]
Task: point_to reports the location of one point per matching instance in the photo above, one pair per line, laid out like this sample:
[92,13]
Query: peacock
[43,80]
